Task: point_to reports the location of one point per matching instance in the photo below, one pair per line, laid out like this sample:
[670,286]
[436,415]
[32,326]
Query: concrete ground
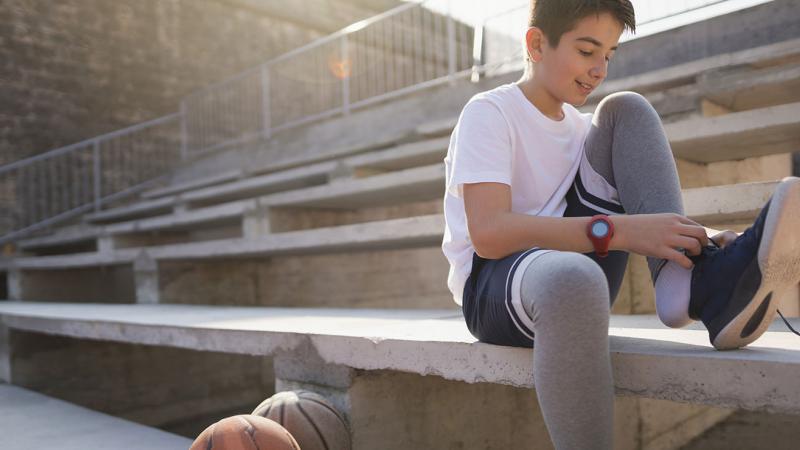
[745,430]
[31,420]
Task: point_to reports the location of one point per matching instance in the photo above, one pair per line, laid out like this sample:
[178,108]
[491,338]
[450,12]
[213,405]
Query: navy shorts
[492,306]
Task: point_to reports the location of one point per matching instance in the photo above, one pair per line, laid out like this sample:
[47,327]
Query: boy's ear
[534,41]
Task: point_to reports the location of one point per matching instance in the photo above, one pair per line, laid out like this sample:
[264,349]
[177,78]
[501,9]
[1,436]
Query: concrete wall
[145,384]
[409,278]
[396,410]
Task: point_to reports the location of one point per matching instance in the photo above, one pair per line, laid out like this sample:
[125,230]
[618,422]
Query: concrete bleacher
[377,207]
[337,349]
[721,204]
[401,186]
[747,134]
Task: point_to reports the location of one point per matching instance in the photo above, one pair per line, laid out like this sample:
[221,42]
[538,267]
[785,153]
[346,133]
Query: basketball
[245,432]
[309,417]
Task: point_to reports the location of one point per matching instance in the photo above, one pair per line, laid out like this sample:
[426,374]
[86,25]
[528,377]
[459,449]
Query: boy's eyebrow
[593,41]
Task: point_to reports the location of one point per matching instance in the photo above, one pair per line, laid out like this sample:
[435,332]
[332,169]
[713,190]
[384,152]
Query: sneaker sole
[779,263]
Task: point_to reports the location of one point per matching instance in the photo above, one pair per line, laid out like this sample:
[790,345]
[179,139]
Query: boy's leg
[628,148]
[561,299]
[566,296]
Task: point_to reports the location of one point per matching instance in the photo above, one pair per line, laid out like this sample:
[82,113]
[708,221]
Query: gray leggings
[566,294]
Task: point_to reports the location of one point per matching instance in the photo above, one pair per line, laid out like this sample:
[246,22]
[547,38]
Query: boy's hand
[660,236]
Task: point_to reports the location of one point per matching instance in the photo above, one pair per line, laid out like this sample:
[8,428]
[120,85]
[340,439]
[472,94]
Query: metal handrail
[70,147]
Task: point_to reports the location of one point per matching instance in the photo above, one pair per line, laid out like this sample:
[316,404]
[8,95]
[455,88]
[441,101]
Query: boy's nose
[599,72]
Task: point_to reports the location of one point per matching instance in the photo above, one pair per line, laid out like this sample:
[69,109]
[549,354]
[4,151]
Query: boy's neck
[541,99]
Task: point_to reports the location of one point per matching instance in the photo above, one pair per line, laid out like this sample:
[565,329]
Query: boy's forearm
[512,232]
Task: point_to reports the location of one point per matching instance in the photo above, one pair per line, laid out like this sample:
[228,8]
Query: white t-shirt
[502,137]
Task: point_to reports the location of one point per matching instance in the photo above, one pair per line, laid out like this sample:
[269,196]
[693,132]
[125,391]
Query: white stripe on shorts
[526,327]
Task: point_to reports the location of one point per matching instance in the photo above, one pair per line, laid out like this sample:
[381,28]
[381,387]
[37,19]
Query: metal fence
[406,49]
[55,186]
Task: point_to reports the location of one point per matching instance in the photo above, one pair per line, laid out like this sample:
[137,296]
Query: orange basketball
[245,432]
[312,420]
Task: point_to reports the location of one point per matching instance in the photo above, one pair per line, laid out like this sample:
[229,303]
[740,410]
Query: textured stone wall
[73,69]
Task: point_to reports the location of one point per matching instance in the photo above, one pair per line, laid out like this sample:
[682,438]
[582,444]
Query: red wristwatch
[600,231]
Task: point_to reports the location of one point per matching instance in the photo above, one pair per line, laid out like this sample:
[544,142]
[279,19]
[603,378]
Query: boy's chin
[577,102]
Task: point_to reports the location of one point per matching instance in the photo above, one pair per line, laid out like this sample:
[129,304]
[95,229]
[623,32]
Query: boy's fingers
[680,257]
[687,221]
[696,232]
[690,245]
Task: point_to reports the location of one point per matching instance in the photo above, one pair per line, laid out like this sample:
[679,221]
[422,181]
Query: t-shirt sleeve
[481,150]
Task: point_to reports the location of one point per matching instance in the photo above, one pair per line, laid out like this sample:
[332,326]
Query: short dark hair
[556,17]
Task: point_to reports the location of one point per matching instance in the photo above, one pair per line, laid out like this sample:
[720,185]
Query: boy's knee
[568,281]
[627,102]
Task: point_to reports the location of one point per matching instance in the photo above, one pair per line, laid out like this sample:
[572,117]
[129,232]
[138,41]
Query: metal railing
[406,49]
[63,183]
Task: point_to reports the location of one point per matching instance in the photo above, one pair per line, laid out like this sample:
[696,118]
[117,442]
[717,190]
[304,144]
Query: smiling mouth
[585,86]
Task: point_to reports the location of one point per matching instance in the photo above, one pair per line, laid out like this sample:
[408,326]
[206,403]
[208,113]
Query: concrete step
[289,179]
[758,132]
[734,203]
[297,178]
[422,183]
[134,210]
[437,128]
[400,157]
[398,186]
[648,358]
[188,185]
[200,218]
[764,56]
[726,90]
[83,233]
[711,205]
[395,158]
[31,420]
[741,90]
[388,234]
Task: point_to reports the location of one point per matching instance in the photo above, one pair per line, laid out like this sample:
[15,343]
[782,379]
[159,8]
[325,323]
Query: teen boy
[543,205]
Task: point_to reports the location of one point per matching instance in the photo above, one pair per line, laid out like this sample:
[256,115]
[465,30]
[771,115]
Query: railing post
[266,119]
[477,52]
[96,168]
[345,76]
[184,134]
[451,43]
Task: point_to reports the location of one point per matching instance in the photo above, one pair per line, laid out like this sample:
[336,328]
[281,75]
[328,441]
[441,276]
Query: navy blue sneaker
[735,290]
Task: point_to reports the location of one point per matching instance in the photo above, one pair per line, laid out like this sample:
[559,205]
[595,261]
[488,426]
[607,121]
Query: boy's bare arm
[497,232]
[515,232]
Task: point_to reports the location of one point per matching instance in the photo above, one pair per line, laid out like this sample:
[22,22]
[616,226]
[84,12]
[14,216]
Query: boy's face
[581,57]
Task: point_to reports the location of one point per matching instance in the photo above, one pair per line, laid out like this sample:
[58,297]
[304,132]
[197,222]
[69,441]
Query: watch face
[599,229]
